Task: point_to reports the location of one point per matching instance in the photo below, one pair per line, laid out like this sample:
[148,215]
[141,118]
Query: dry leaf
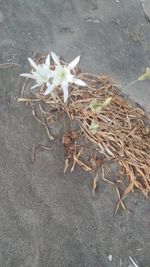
[95,184]
[66,140]
[66,165]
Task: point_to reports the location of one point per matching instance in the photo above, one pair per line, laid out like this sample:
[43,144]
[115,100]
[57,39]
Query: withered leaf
[95,184]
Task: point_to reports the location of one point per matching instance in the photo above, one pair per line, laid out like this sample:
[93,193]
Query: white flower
[62,76]
[41,73]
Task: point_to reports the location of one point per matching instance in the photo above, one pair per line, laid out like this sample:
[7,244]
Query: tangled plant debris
[105,128]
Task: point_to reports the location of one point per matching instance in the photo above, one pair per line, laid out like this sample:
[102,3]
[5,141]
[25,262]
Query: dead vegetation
[111,127]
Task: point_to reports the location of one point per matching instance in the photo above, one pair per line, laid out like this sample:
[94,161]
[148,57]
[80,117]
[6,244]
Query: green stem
[129,84]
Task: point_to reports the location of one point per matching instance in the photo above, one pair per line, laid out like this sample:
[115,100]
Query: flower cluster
[60,77]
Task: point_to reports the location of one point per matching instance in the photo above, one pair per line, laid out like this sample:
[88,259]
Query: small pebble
[110,257]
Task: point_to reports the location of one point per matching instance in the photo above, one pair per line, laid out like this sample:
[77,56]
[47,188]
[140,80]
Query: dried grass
[122,136]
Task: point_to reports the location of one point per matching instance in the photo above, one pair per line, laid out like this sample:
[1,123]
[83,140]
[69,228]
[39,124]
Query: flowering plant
[99,124]
[59,77]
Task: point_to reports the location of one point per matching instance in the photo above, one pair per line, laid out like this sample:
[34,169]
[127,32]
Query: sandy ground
[48,219]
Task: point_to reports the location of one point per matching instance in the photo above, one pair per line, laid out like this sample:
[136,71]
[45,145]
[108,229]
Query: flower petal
[74,63]
[47,61]
[49,89]
[32,63]
[27,75]
[55,58]
[79,82]
[35,86]
[65,91]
